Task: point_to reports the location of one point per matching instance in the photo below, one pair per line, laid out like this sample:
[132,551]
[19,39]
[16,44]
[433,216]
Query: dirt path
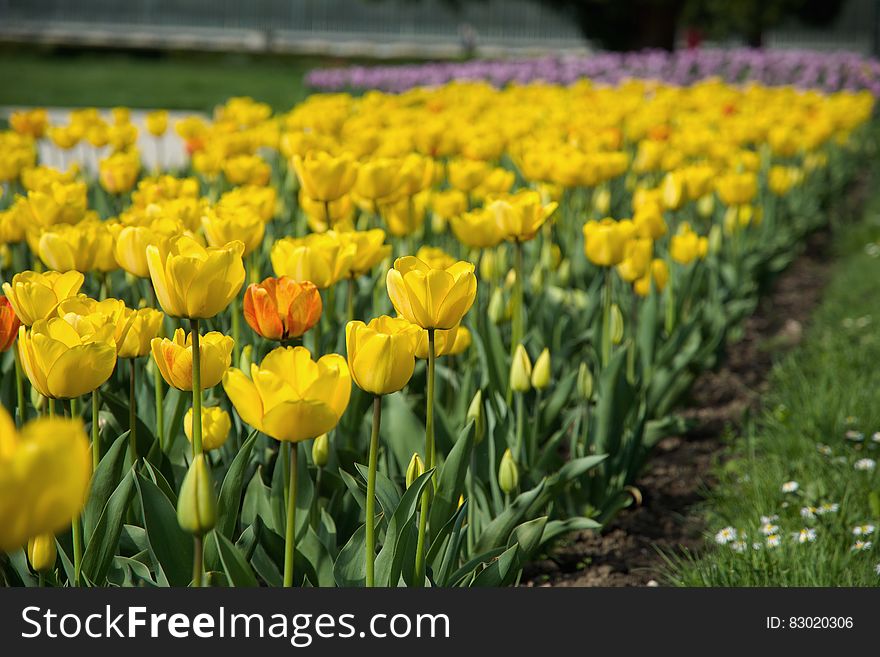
[626,553]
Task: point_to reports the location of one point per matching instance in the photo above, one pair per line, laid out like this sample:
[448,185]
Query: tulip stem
[197,389]
[96,431]
[350,300]
[236,328]
[197,561]
[290,534]
[19,389]
[517,319]
[371,491]
[51,407]
[160,407]
[419,578]
[76,526]
[606,318]
[132,414]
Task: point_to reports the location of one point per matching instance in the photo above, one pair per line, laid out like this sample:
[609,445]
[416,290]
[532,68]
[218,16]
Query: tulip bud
[616,324]
[602,200]
[475,413]
[438,224]
[508,473]
[715,239]
[536,280]
[488,269]
[510,279]
[497,310]
[563,274]
[585,381]
[321,450]
[246,358]
[521,370]
[415,469]
[706,206]
[37,400]
[41,552]
[460,501]
[541,371]
[196,504]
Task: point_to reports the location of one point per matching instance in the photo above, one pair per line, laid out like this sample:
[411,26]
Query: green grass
[174,81]
[828,386]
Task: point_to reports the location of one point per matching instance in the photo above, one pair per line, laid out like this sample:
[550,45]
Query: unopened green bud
[475,413]
[616,324]
[536,279]
[715,238]
[508,473]
[706,206]
[541,371]
[497,308]
[196,504]
[321,450]
[415,469]
[585,381]
[246,358]
[563,274]
[521,370]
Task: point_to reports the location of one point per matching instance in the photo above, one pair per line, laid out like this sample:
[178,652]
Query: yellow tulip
[737,188]
[224,226]
[289,396]
[118,173]
[174,358]
[66,358]
[61,203]
[379,180]
[157,122]
[44,477]
[446,343]
[431,298]
[435,257]
[541,371]
[521,370]
[416,173]
[324,177]
[477,229]
[192,281]
[131,242]
[520,216]
[466,175]
[649,222]
[262,200]
[381,354]
[84,247]
[320,258]
[405,216]
[215,426]
[604,241]
[370,249]
[449,203]
[686,246]
[341,212]
[247,169]
[658,273]
[42,552]
[637,254]
[141,327]
[35,296]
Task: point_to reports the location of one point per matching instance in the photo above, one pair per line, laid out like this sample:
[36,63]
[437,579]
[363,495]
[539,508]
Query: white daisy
[861,546]
[790,486]
[823,449]
[766,519]
[738,546]
[725,536]
[877,569]
[809,512]
[854,436]
[863,530]
[876,437]
[806,535]
[828,507]
[865,465]
[773,540]
[769,528]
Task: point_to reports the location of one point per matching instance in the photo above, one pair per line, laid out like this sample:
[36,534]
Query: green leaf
[230,492]
[451,481]
[387,492]
[350,568]
[170,546]
[104,481]
[502,571]
[104,542]
[401,430]
[237,570]
[498,531]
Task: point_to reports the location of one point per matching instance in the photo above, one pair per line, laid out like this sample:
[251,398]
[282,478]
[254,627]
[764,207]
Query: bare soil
[628,551]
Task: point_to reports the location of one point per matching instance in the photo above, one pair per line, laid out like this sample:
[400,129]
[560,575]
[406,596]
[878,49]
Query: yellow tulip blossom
[658,273]
[379,180]
[289,396]
[193,281]
[687,246]
[446,343]
[61,203]
[477,229]
[324,177]
[216,426]
[637,254]
[131,242]
[381,354]
[140,328]
[222,226]
[320,258]
[416,173]
[521,215]
[67,357]
[449,203]
[341,213]
[44,477]
[431,298]
[465,175]
[370,249]
[118,172]
[156,122]
[86,246]
[35,296]
[174,358]
[406,215]
[435,257]
[605,241]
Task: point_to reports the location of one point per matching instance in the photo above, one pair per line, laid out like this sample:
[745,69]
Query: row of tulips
[460,356]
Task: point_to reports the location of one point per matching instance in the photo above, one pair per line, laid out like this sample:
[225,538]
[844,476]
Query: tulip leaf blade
[230,491]
[387,492]
[350,568]
[451,480]
[104,482]
[235,566]
[170,547]
[102,546]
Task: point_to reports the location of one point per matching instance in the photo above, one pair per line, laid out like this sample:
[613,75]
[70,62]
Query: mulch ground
[627,552]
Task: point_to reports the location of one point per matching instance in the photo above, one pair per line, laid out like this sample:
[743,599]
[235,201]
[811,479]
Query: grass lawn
[821,429]
[193,81]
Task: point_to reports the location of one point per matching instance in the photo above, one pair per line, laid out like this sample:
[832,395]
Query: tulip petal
[244,397]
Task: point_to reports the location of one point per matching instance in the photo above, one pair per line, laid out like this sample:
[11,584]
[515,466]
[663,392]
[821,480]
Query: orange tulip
[9,324]
[281,308]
